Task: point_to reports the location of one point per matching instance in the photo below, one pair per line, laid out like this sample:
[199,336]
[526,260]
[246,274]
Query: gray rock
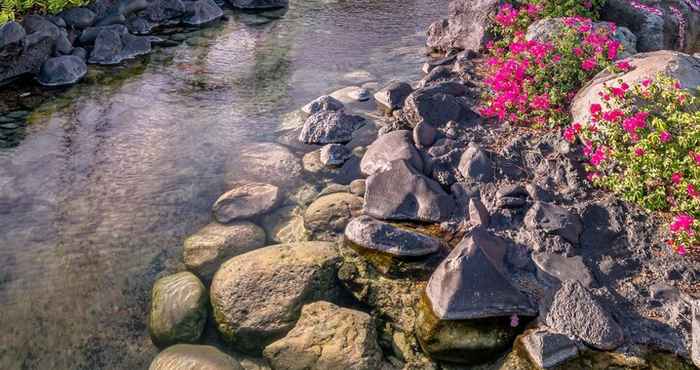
[178,309]
[80,53]
[115,44]
[334,154]
[162,11]
[386,238]
[325,102]
[695,346]
[424,135]
[37,24]
[466,27]
[360,94]
[326,127]
[401,193]
[469,283]
[439,73]
[478,214]
[78,18]
[257,297]
[576,312]
[201,12]
[555,268]
[554,219]
[396,145]
[328,337]
[393,95]
[259,4]
[62,71]
[26,56]
[11,33]
[209,247]
[194,357]
[328,215]
[475,165]
[600,226]
[434,107]
[63,46]
[547,349]
[246,200]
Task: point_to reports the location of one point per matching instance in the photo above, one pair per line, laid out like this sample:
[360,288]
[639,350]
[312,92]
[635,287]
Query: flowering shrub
[569,8]
[645,145]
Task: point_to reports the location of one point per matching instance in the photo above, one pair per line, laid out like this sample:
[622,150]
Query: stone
[178,309]
[266,162]
[62,71]
[478,214]
[38,24]
[285,225]
[25,56]
[396,145]
[63,46]
[114,44]
[326,127]
[475,164]
[695,327]
[330,214]
[334,154]
[434,107]
[201,12]
[245,201]
[162,11]
[575,312]
[555,268]
[323,103]
[466,28]
[403,194]
[393,95]
[600,226]
[424,135]
[11,33]
[194,357]
[78,18]
[358,187]
[439,73]
[257,296]
[554,219]
[547,349]
[386,238]
[209,247]
[360,94]
[258,4]
[351,94]
[328,337]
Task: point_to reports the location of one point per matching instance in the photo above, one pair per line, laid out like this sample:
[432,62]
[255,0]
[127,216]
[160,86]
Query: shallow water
[98,196]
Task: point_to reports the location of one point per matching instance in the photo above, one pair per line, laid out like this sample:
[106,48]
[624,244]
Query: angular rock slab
[469,283]
[554,219]
[547,349]
[466,27]
[475,165]
[257,297]
[577,313]
[396,145]
[387,238]
[403,194]
[62,71]
[334,154]
[194,357]
[393,95]
[178,309]
[327,127]
[246,201]
[114,44]
[323,103]
[555,268]
[328,337]
[434,107]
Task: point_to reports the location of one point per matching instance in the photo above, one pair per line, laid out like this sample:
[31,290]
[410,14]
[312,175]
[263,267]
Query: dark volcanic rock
[475,165]
[63,70]
[386,238]
[11,33]
[162,11]
[78,17]
[246,201]
[334,154]
[466,28]
[548,349]
[201,12]
[401,193]
[434,107]
[25,57]
[393,95]
[396,145]
[327,127]
[576,312]
[555,268]
[600,225]
[554,219]
[36,23]
[258,4]
[115,44]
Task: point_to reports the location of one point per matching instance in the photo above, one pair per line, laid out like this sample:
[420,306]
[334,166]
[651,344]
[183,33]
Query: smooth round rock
[62,71]
[246,201]
[387,238]
[331,213]
[178,309]
[193,357]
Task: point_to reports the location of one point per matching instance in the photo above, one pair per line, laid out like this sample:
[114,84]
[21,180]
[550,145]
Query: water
[98,196]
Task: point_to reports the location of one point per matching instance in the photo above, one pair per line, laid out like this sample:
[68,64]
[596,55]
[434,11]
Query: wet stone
[62,71]
[334,154]
[328,215]
[246,201]
[178,309]
[323,103]
[387,238]
[191,357]
[547,349]
[326,127]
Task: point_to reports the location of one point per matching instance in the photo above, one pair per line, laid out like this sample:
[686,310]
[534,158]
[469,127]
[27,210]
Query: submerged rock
[285,225]
[178,309]
[246,201]
[326,127]
[396,145]
[334,154]
[201,12]
[548,349]
[328,215]
[63,70]
[194,357]
[386,238]
[323,103]
[393,95]
[328,337]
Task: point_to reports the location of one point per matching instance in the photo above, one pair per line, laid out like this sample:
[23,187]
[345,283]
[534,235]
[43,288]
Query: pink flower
[598,156]
[692,192]
[676,178]
[514,320]
[589,64]
[623,65]
[639,152]
[665,136]
[646,82]
[681,250]
[540,102]
[697,159]
[595,109]
[613,47]
[591,176]
[682,223]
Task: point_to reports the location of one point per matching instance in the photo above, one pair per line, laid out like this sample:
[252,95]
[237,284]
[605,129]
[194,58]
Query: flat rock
[328,215]
[475,165]
[245,201]
[387,238]
[554,219]
[396,145]
[555,268]
[178,309]
[326,127]
[334,154]
[393,95]
[323,103]
[194,357]
[547,349]
[328,337]
[62,71]
[266,162]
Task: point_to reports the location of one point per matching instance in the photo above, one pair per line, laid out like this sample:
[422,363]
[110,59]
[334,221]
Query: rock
[257,297]
[201,12]
[351,94]
[115,44]
[78,18]
[393,95]
[577,313]
[601,226]
[80,53]
[478,214]
[37,24]
[677,65]
[401,193]
[327,127]
[323,103]
[396,145]
[548,349]
[360,94]
[555,268]
[259,4]
[25,56]
[62,71]
[193,357]
[266,162]
[695,324]
[475,165]
[328,337]
[424,135]
[11,33]
[329,214]
[386,238]
[434,108]
[554,219]
[244,201]
[163,11]
[204,251]
[285,225]
[178,309]
[439,73]
[358,187]
[334,154]
[466,27]
[63,46]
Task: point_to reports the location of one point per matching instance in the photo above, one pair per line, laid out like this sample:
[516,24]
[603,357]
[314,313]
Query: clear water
[97,198]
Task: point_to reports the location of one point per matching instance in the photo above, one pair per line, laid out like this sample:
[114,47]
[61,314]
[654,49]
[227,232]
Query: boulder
[178,309]
[396,145]
[11,33]
[245,201]
[258,4]
[393,95]
[327,127]
[193,357]
[401,193]
[386,238]
[334,154]
[38,24]
[204,251]
[328,337]
[424,135]
[680,66]
[164,11]
[78,18]
[201,12]
[351,94]
[478,214]
[285,225]
[63,46]
[575,312]
[257,297]
[466,27]
[62,71]
[25,56]
[114,44]
[555,268]
[475,164]
[554,219]
[323,103]
[266,162]
[328,215]
[434,107]
[547,349]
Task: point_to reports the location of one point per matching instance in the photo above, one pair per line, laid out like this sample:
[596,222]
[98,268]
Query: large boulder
[325,127]
[245,201]
[285,225]
[396,145]
[393,95]
[258,4]
[209,247]
[682,67]
[194,357]
[466,28]
[114,44]
[328,215]
[328,337]
[11,33]
[21,54]
[62,71]
[257,297]
[178,309]
[401,193]
[435,107]
[386,238]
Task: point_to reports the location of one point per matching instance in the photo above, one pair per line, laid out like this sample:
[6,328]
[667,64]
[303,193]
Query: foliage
[569,8]
[10,9]
[645,146]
